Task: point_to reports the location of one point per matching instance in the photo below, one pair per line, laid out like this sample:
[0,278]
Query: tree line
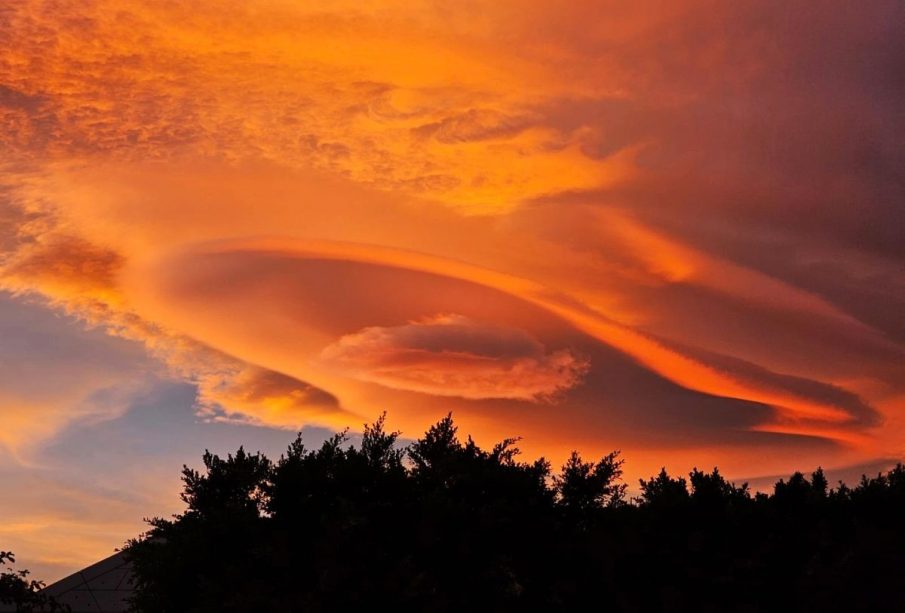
[444,525]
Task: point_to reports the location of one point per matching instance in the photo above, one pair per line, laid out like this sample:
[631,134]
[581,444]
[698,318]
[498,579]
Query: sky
[676,229]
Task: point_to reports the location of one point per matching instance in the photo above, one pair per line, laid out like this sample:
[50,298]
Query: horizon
[672,229]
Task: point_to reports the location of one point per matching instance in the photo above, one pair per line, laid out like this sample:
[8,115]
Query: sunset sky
[671,228]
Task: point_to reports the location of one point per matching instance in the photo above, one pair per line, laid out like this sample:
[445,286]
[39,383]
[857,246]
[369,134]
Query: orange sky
[671,228]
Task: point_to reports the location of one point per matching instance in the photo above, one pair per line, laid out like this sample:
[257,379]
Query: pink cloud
[452,355]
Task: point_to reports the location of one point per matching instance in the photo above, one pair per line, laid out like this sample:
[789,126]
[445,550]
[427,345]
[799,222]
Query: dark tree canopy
[444,525]
[664,491]
[586,486]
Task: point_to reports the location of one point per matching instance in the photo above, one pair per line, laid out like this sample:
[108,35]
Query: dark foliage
[444,525]
[20,592]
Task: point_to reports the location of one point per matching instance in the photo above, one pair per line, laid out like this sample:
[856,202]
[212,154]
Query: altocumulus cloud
[452,355]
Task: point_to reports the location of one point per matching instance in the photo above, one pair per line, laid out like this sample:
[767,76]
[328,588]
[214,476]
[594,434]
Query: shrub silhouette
[19,591]
[444,525]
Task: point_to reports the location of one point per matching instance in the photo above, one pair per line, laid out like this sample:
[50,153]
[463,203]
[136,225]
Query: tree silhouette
[445,525]
[229,487]
[585,486]
[712,489]
[664,491]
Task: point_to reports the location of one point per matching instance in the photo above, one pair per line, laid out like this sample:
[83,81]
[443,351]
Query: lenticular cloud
[452,355]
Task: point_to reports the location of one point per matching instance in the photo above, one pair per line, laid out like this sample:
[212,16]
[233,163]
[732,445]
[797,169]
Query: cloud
[355,112]
[53,271]
[472,125]
[451,355]
[63,264]
[817,403]
[14,99]
[698,197]
[255,395]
